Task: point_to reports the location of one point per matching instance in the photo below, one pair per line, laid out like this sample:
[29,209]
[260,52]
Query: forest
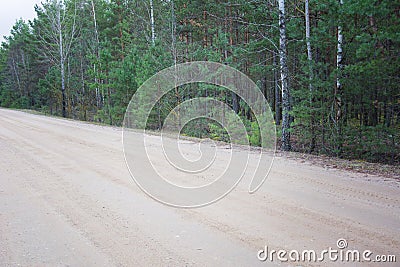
[329,69]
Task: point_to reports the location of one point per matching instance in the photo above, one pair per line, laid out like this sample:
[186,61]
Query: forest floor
[67,199]
[357,166]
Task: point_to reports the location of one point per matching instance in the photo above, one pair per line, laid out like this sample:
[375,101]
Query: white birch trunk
[62,60]
[14,64]
[286,146]
[311,74]
[153,31]
[309,52]
[338,112]
[339,66]
[173,32]
[96,34]
[57,40]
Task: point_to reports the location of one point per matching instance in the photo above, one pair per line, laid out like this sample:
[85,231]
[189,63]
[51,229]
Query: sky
[12,10]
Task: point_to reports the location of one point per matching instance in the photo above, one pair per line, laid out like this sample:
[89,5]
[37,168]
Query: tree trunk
[339,90]
[173,32]
[83,97]
[311,76]
[153,31]
[286,105]
[62,62]
[14,67]
[97,44]
[278,94]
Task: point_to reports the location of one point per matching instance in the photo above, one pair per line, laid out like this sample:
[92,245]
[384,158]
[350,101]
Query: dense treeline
[339,86]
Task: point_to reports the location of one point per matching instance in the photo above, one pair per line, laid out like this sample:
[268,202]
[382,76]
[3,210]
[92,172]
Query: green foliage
[111,55]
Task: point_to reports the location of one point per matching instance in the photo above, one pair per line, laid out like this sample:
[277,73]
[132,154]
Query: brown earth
[67,199]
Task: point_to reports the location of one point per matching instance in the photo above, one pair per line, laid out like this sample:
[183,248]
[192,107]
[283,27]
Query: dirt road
[67,199]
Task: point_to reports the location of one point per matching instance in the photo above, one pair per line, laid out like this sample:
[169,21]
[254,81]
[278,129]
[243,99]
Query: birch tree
[56,33]
[286,106]
[311,74]
[345,104]
[152,23]
[96,53]
[337,116]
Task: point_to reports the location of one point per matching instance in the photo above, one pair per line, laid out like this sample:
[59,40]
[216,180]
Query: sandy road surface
[67,199]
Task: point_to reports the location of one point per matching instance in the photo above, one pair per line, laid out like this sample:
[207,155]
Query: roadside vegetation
[329,69]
